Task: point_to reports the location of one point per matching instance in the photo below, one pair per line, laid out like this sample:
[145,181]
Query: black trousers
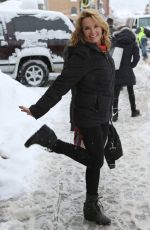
[92,157]
[116,98]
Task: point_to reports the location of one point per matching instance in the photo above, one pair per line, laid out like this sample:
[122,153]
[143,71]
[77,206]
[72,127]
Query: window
[32,23]
[1,30]
[73,10]
[144,21]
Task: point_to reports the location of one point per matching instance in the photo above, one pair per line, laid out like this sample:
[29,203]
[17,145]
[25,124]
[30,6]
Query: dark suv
[32,43]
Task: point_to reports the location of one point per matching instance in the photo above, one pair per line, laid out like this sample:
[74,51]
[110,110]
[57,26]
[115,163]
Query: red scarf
[77,137]
[103,48]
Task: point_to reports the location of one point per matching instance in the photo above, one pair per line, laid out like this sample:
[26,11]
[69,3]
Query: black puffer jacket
[126,40]
[92,72]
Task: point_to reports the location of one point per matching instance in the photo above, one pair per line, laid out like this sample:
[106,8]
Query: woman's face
[92,31]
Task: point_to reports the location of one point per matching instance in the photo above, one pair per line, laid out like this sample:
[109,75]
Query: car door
[4,54]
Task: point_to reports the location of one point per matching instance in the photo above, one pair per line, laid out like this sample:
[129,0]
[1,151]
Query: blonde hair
[77,35]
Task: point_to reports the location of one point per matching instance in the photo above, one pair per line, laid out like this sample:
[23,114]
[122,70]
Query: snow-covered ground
[45,191]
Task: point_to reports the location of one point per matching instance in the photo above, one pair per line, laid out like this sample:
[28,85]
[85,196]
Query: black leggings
[93,156]
[116,98]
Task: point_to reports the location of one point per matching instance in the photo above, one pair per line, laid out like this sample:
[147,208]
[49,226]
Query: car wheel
[34,73]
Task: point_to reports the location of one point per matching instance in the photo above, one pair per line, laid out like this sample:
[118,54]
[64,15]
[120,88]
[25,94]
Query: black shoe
[44,136]
[93,211]
[115,118]
[135,113]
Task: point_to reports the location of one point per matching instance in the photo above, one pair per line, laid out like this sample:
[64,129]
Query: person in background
[125,76]
[112,29]
[91,70]
[147,9]
[142,41]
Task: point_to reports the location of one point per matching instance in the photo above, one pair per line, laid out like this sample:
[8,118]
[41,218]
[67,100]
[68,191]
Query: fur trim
[122,29]
[126,28]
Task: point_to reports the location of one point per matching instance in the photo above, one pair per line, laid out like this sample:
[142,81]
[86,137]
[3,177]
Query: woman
[125,76]
[90,70]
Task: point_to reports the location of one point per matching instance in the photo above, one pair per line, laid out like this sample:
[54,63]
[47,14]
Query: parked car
[32,44]
[138,21]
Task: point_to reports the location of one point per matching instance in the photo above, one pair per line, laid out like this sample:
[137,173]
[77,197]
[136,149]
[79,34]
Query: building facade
[72,8]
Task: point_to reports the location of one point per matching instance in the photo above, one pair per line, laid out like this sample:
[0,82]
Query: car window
[1,30]
[144,21]
[30,23]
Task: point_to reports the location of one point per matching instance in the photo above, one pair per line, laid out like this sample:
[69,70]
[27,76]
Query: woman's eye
[86,28]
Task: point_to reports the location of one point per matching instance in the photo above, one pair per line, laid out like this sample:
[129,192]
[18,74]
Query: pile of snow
[17,169]
[18,164]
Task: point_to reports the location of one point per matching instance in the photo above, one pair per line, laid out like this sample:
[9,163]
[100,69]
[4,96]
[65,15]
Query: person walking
[142,41]
[91,70]
[124,76]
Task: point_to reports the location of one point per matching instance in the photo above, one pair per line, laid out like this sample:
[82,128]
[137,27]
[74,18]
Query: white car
[32,44]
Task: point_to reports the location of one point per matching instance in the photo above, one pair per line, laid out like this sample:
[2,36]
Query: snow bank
[16,170]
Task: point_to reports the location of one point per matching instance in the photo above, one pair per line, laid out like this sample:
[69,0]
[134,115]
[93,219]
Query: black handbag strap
[111,123]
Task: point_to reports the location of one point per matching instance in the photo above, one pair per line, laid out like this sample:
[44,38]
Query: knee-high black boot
[44,136]
[47,138]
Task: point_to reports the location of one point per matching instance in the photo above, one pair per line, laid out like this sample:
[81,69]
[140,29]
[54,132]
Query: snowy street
[40,190]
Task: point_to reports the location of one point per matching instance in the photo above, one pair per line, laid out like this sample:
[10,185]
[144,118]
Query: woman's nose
[92,31]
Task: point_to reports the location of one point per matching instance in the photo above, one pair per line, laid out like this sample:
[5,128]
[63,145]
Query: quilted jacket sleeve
[72,73]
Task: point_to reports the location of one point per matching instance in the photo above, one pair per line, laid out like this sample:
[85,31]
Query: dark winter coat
[126,39]
[92,72]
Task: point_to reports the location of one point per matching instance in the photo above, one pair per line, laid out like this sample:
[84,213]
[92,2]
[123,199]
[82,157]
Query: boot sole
[97,221]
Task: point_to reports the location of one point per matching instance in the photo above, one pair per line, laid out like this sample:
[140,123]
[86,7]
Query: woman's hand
[25,110]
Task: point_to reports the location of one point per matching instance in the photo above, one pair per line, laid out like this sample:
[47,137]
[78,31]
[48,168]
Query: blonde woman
[90,70]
